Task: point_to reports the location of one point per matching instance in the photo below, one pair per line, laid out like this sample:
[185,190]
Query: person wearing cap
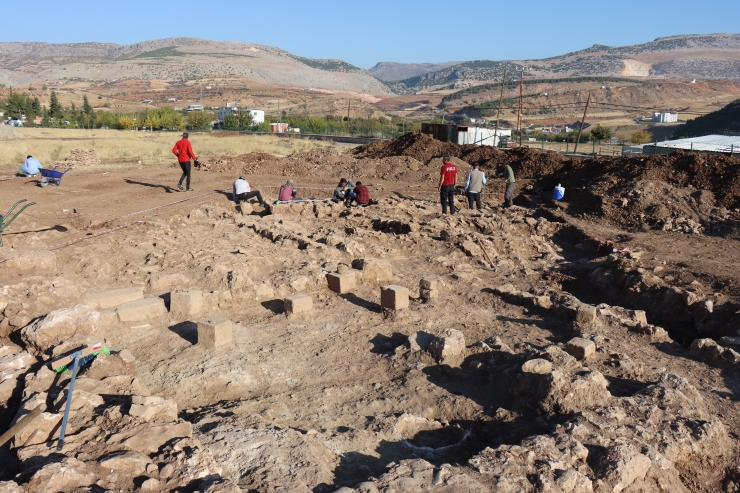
[287,192]
[474,185]
[447,182]
[184,152]
[242,191]
[31,167]
[510,186]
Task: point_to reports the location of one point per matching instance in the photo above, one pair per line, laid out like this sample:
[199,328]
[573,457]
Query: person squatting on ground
[447,182]
[510,186]
[288,192]
[30,167]
[242,191]
[340,193]
[184,152]
[360,194]
[474,186]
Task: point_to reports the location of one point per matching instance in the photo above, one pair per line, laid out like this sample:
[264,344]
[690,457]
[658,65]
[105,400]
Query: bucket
[558,193]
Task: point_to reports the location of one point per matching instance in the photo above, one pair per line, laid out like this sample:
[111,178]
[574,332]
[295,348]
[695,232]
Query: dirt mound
[79,158]
[10,133]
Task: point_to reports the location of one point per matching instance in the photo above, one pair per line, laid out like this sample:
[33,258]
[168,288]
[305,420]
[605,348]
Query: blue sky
[367,32]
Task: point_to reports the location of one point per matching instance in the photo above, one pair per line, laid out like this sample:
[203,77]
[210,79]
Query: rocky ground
[527,359]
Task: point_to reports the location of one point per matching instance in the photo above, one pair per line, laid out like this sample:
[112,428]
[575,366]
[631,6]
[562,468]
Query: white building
[194,107]
[665,117]
[258,116]
[481,136]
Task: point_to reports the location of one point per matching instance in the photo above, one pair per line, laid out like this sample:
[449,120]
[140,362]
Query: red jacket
[363,194]
[184,151]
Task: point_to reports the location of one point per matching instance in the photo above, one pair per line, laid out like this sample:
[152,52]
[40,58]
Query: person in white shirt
[242,191]
[30,167]
[474,186]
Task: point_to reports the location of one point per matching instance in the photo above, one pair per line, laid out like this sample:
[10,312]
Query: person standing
[30,167]
[242,191]
[184,152]
[510,186]
[474,186]
[447,182]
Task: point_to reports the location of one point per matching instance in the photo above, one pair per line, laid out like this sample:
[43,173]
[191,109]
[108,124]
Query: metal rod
[77,355]
[588,100]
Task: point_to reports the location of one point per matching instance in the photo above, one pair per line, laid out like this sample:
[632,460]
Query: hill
[178,59]
[712,56]
[391,71]
[723,120]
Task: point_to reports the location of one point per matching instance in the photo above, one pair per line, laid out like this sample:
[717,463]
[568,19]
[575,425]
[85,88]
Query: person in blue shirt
[31,167]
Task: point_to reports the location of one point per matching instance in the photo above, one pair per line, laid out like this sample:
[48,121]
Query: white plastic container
[558,193]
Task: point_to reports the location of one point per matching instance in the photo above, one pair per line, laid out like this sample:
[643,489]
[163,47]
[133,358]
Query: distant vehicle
[66,122]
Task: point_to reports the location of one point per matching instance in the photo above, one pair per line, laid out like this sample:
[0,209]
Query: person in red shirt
[184,152]
[360,194]
[447,182]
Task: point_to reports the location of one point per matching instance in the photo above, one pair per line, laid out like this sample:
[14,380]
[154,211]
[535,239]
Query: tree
[230,122]
[86,106]
[641,137]
[199,120]
[16,105]
[602,133]
[55,109]
[36,106]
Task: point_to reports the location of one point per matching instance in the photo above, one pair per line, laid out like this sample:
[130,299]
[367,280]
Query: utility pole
[349,106]
[521,101]
[498,111]
[575,148]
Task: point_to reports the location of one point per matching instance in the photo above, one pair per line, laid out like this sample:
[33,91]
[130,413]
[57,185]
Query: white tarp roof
[716,143]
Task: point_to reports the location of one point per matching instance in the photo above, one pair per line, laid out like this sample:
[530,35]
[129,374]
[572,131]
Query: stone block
[538,366]
[168,281]
[429,294]
[394,297]
[112,298]
[585,315]
[297,304]
[580,348]
[142,310]
[341,283]
[428,284]
[145,400]
[374,270]
[449,347]
[214,332]
[186,304]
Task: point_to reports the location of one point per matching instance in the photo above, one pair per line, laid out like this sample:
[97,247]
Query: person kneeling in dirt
[360,194]
[31,167]
[288,192]
[474,185]
[340,193]
[242,191]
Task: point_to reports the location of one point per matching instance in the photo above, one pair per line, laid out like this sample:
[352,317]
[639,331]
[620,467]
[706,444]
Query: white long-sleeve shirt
[240,187]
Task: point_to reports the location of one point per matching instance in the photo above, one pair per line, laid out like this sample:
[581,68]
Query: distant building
[258,116]
[665,117]
[194,107]
[462,134]
[171,100]
[279,128]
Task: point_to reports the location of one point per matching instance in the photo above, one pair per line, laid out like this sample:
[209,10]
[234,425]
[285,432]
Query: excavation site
[588,344]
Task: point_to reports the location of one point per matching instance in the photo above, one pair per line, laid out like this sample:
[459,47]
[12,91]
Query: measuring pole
[498,111]
[588,100]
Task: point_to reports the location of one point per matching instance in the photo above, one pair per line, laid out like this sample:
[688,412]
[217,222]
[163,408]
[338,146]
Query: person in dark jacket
[360,194]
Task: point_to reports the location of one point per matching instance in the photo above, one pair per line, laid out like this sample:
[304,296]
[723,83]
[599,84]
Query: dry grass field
[116,147]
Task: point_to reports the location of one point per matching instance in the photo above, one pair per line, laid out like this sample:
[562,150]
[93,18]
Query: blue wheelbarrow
[49,176]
